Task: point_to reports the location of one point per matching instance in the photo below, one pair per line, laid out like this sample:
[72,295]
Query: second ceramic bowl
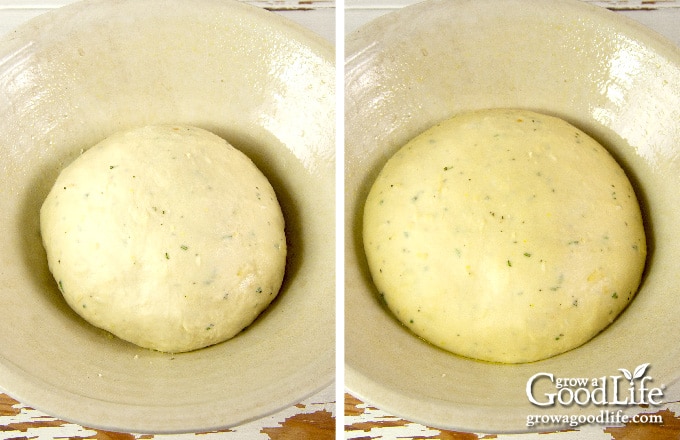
[609,76]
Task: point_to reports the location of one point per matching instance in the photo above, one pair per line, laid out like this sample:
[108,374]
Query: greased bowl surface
[610,77]
[74,76]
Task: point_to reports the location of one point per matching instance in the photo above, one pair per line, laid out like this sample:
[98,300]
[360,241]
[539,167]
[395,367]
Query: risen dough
[504,235]
[165,236]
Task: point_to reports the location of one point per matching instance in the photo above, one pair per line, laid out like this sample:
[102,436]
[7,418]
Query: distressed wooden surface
[313,418]
[365,422]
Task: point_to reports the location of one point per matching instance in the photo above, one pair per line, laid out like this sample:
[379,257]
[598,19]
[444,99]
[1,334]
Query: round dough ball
[504,235]
[166,236]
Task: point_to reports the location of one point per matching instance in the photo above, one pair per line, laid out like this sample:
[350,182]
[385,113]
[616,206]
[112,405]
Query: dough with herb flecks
[165,236]
[504,235]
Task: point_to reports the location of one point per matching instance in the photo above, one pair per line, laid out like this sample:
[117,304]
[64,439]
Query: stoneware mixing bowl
[607,75]
[76,75]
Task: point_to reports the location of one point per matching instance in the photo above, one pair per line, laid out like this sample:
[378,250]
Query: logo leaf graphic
[640,371]
[626,373]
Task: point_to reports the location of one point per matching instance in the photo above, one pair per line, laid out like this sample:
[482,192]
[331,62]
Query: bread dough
[165,236]
[504,235]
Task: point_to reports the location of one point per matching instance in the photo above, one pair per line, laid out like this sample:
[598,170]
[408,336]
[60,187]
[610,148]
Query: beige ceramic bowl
[72,77]
[607,75]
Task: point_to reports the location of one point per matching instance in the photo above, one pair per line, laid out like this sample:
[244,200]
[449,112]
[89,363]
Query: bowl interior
[610,77]
[74,76]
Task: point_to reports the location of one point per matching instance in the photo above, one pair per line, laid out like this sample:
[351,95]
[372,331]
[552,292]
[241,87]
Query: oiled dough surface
[504,235]
[165,236]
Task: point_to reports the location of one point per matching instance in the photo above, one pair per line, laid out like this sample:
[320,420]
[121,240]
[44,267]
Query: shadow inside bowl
[34,255]
[357,234]
[289,207]
[609,140]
